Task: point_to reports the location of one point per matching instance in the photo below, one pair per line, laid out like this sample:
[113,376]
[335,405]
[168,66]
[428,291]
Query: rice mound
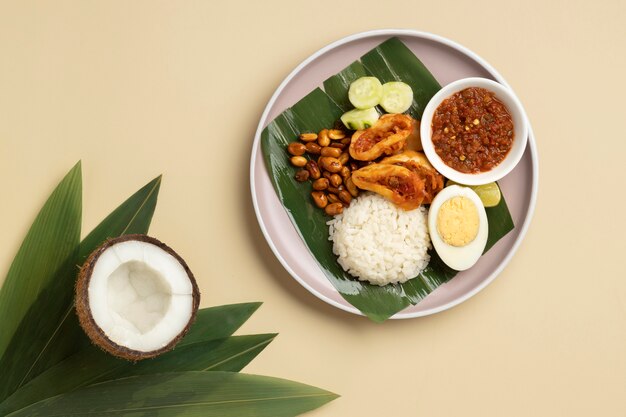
[379,242]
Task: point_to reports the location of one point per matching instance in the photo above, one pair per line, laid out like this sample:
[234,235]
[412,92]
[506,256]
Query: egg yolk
[458,221]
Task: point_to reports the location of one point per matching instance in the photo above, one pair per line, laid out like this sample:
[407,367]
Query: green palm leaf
[228,354]
[50,368]
[132,216]
[391,60]
[206,347]
[219,322]
[203,394]
[38,280]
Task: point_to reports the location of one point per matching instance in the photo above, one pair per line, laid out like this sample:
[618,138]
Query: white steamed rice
[379,242]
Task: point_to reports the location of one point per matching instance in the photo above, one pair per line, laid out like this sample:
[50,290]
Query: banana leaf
[205,394]
[40,279]
[389,61]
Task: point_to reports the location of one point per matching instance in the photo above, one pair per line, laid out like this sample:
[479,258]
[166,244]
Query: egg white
[459,258]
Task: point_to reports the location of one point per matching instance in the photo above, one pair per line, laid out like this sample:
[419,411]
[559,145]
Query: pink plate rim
[407,33]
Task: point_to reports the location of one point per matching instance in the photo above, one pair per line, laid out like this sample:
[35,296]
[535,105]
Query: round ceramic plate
[447,61]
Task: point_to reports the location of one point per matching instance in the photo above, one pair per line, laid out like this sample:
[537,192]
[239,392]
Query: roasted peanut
[345,197]
[319,198]
[338,145]
[313,148]
[334,209]
[314,169]
[308,137]
[335,134]
[298,161]
[296,148]
[330,171]
[335,180]
[320,184]
[329,163]
[302,175]
[329,151]
[322,138]
[354,192]
[332,198]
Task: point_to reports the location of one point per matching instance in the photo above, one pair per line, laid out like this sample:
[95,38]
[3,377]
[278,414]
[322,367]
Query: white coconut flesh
[140,295]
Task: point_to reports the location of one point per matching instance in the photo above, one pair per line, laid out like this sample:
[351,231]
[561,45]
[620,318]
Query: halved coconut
[135,297]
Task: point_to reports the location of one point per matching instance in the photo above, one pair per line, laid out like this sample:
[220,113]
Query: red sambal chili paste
[472,131]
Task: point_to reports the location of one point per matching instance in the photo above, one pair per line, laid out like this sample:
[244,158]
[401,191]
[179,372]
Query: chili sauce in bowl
[474,131]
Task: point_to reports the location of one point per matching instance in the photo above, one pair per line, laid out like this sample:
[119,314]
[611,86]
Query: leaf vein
[196,404]
[143,203]
[230,358]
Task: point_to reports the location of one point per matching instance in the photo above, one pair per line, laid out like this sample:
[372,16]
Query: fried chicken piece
[396,183]
[388,136]
[417,163]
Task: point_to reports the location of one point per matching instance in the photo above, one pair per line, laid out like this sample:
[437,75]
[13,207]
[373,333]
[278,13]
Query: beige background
[140,88]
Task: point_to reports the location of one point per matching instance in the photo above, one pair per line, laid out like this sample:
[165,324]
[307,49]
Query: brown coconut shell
[95,333]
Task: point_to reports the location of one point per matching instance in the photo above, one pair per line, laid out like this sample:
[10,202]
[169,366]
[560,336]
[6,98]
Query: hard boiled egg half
[458,226]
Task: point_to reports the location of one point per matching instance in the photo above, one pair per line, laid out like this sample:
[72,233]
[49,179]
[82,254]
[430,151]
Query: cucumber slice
[360,119]
[365,92]
[397,97]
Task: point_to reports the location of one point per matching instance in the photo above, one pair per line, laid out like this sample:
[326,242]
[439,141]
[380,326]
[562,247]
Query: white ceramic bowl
[520,125]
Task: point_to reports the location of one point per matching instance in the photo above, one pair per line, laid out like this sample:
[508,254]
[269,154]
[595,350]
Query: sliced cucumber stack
[358,119]
[397,97]
[365,92]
